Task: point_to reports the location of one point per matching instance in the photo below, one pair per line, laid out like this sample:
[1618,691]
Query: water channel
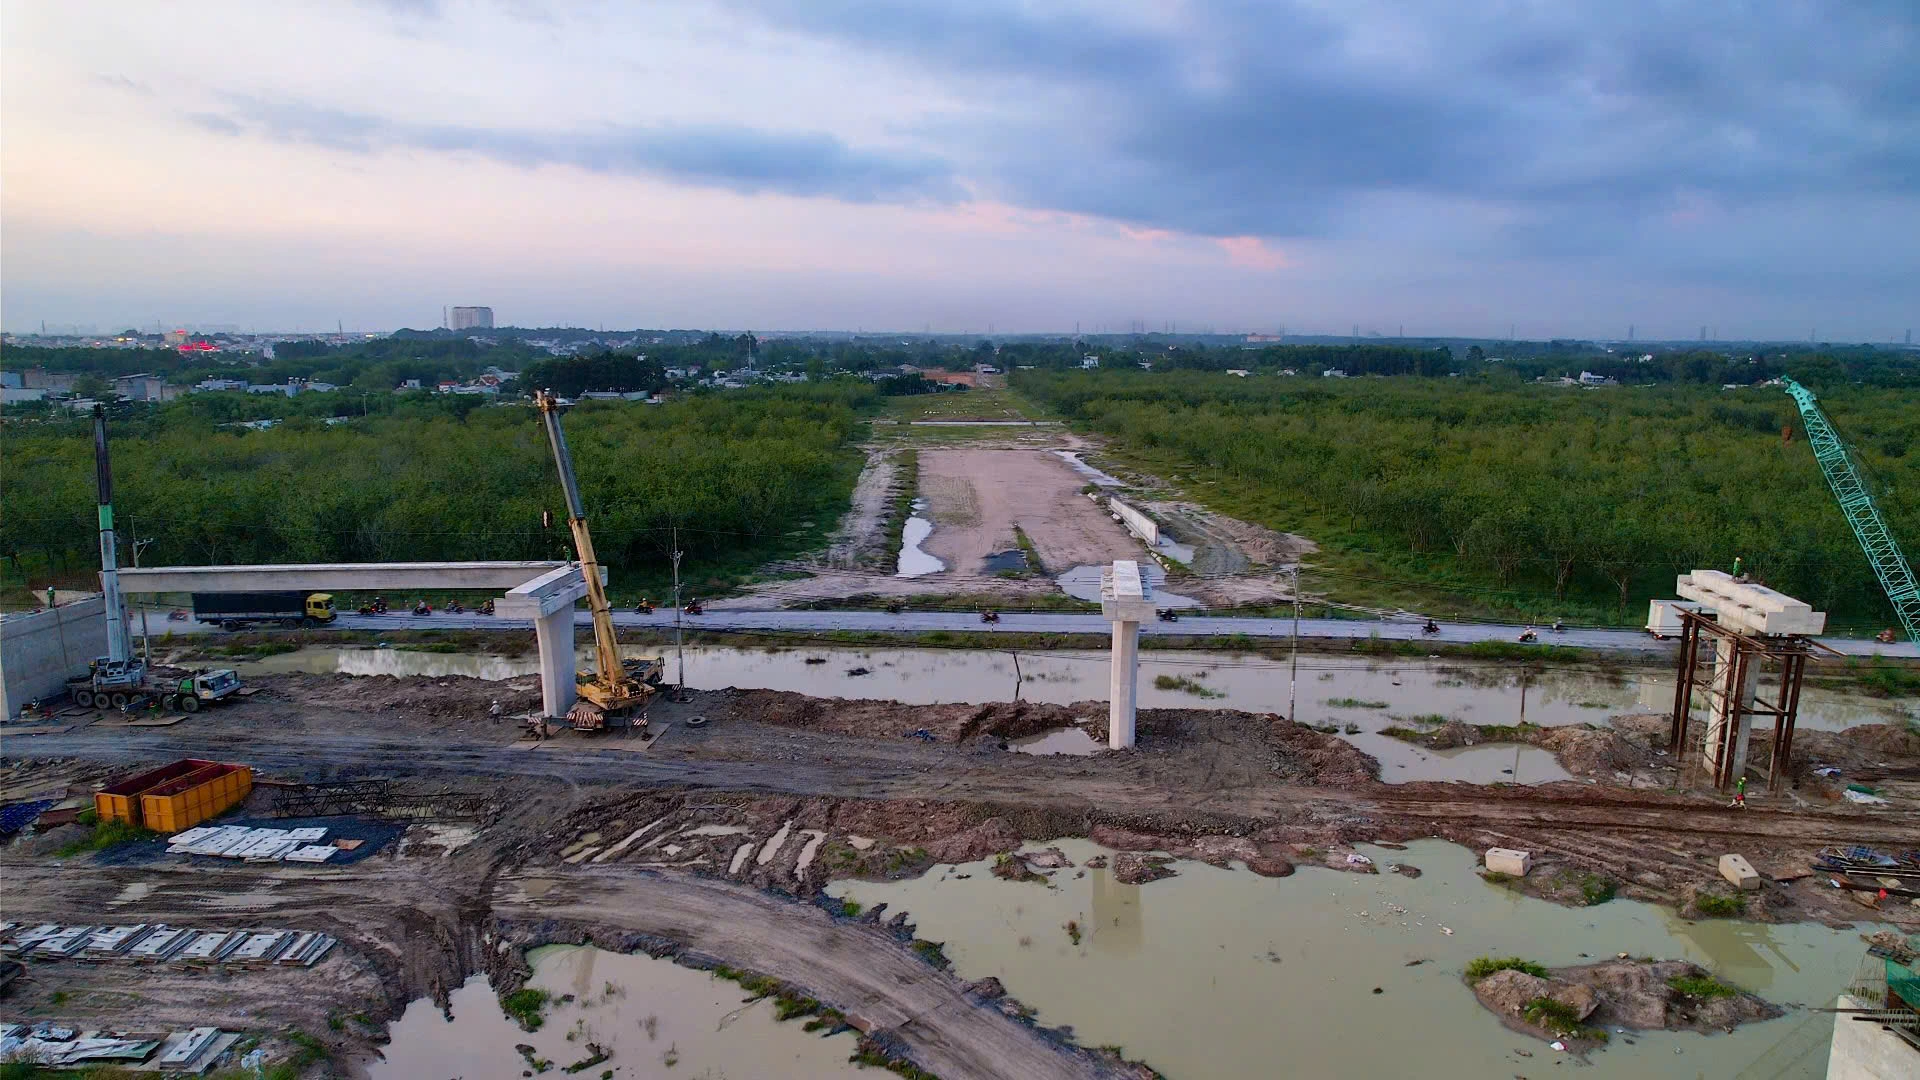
[658,1019]
[913,561]
[1219,973]
[1331,690]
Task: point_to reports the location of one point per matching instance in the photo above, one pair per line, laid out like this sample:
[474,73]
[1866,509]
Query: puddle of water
[913,561]
[1011,559]
[1074,741]
[1178,552]
[1224,973]
[1083,583]
[1087,470]
[1331,689]
[716,830]
[661,1020]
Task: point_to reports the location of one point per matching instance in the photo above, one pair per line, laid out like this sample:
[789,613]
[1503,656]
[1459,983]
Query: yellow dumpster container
[180,804]
[121,801]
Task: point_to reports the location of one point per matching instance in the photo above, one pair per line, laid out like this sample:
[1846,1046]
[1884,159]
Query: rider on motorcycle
[1431,627]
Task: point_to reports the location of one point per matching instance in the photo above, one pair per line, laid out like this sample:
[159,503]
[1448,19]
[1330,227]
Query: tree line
[742,475]
[1599,498]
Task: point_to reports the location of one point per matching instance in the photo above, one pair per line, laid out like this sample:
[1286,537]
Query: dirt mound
[987,838]
[1304,755]
[1134,868]
[1509,993]
[1638,994]
[957,723]
[1588,751]
[452,697]
[1857,747]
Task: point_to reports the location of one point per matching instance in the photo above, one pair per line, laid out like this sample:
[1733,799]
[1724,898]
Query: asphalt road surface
[800,622]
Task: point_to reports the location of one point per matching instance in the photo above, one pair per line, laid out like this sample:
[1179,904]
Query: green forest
[745,476]
[1521,500]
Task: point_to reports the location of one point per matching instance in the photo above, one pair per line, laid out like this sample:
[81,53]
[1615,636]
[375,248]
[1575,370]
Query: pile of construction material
[191,1051]
[157,942]
[253,845]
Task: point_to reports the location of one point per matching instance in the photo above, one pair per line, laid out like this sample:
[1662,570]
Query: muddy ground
[774,795]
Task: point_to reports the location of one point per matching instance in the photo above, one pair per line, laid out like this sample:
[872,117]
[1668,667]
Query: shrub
[1718,904]
[528,1006]
[1701,986]
[1596,889]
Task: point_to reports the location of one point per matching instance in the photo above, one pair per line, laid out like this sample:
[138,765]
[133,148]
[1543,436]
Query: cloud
[1252,252]
[1261,120]
[737,159]
[124,85]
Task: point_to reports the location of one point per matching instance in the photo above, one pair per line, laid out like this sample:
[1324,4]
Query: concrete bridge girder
[542,592]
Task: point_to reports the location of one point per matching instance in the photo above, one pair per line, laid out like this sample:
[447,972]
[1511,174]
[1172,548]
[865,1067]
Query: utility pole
[1293,674]
[146,645]
[679,610]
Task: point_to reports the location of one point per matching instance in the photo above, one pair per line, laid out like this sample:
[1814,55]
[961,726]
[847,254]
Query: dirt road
[977,497]
[859,968]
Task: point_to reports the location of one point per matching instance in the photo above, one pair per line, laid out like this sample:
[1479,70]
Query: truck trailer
[237,610]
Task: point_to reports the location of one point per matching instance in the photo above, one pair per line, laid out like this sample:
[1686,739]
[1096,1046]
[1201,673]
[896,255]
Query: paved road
[1626,641]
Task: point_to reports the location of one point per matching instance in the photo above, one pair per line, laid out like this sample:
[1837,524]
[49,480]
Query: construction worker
[1740,793]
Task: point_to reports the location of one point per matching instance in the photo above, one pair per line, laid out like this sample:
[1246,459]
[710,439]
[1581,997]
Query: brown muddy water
[1367,694]
[1218,973]
[657,1018]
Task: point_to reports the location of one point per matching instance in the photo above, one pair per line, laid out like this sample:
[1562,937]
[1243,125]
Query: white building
[472,318]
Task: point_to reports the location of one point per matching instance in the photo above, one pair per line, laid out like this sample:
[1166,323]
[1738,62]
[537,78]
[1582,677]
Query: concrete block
[1510,862]
[1739,872]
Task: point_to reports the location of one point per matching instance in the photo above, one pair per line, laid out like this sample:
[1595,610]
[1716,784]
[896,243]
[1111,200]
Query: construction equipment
[616,691]
[1889,563]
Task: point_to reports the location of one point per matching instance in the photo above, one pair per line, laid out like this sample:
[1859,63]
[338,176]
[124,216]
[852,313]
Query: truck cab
[319,607]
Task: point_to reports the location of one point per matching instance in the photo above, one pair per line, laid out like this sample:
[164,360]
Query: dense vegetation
[1483,494]
[745,476]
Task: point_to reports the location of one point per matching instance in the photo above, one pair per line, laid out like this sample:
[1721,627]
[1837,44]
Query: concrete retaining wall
[1142,525]
[38,653]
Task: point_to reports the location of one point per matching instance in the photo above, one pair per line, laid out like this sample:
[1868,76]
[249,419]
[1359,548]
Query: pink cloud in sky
[1252,253]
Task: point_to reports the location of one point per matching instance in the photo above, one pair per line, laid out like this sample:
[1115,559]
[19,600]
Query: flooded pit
[1072,741]
[1092,474]
[1337,690]
[658,1019]
[1224,973]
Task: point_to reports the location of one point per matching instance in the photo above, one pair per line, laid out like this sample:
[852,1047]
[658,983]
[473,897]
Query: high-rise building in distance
[472,318]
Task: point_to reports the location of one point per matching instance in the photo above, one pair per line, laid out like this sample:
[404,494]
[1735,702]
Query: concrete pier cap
[1126,599]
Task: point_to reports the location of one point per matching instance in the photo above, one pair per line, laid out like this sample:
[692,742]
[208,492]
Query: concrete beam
[555,590]
[334,577]
[1746,606]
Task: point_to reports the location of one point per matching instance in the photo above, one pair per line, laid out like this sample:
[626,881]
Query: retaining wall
[1142,525]
[39,653]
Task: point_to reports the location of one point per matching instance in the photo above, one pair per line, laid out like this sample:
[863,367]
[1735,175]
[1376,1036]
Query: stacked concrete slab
[253,845]
[159,943]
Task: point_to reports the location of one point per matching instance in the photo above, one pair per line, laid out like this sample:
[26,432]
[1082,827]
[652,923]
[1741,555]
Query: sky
[1565,169]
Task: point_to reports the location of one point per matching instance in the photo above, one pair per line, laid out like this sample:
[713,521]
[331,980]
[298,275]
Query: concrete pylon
[548,602]
[1127,600]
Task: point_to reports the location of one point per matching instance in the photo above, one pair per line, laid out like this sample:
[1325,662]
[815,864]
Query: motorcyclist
[1431,627]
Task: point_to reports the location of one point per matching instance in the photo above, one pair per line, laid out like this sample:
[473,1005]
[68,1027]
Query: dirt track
[977,497]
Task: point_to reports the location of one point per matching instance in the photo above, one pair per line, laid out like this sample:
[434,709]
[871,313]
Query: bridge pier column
[1125,599]
[558,688]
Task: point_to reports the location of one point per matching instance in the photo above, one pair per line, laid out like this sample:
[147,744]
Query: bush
[528,1006]
[1487,965]
[1718,904]
[1596,889]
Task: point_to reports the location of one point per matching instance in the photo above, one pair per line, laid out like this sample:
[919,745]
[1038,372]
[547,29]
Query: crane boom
[613,689]
[1889,563]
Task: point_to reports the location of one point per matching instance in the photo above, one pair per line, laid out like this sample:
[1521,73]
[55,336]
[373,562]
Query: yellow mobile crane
[617,690]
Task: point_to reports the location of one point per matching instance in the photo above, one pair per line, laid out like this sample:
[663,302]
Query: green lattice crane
[1889,564]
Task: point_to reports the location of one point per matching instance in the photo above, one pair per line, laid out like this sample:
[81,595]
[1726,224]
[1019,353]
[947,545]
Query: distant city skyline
[1570,170]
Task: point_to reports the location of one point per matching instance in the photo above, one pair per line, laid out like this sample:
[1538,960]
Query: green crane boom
[1889,564]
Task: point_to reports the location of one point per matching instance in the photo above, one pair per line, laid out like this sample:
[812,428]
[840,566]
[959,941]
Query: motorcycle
[454,608]
[177,615]
[1529,635]
[695,607]
[1559,627]
[893,607]
[423,608]
[990,616]
[1431,627]
[1168,615]
[644,607]
[485,608]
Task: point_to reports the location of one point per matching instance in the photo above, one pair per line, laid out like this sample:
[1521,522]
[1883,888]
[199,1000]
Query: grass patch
[528,1006]
[906,489]
[1186,686]
[1596,889]
[1432,719]
[1719,905]
[1561,1019]
[1354,703]
[1484,966]
[1701,986]
[106,834]
[1027,549]
[1404,734]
